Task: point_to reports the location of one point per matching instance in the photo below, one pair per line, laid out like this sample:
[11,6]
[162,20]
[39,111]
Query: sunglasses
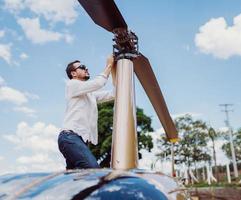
[83,67]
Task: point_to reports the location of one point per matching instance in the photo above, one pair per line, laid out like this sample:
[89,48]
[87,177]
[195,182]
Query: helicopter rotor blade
[146,76]
[104,13]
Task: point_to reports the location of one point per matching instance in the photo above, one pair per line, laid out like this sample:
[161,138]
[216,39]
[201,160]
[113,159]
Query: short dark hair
[70,67]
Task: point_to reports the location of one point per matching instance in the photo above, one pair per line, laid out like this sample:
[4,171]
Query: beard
[87,77]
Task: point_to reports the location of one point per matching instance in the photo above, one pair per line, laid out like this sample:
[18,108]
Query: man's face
[80,72]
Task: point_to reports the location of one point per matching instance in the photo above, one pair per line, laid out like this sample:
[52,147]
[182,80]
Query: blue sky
[193,46]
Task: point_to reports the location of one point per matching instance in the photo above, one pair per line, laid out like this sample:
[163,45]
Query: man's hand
[109,65]
[110,60]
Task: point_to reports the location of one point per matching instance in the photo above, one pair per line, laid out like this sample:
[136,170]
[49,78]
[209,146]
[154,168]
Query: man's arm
[77,87]
[104,96]
[113,74]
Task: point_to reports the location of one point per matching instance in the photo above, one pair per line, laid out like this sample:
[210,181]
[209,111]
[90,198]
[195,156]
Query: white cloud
[31,96]
[2,33]
[14,5]
[23,56]
[40,140]
[68,38]
[187,113]
[25,110]
[17,97]
[5,52]
[12,95]
[27,164]
[39,137]
[53,11]
[39,162]
[33,32]
[37,158]
[217,38]
[37,35]
[1,158]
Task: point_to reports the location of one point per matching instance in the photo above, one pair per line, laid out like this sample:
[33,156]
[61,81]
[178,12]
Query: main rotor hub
[126,44]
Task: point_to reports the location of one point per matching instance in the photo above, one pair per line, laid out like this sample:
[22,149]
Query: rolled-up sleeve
[76,88]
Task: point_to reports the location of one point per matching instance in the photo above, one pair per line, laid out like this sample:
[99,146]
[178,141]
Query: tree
[102,150]
[236,144]
[192,146]
[213,135]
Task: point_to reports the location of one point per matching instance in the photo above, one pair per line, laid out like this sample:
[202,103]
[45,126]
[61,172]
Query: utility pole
[226,110]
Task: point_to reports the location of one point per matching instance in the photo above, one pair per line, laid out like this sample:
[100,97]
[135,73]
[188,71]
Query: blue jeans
[75,151]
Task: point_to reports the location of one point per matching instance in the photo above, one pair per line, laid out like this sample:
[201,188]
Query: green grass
[219,184]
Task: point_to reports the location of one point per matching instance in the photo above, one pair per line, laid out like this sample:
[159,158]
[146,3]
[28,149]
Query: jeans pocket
[68,137]
[63,140]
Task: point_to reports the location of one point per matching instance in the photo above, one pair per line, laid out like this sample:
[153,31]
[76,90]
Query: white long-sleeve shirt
[81,113]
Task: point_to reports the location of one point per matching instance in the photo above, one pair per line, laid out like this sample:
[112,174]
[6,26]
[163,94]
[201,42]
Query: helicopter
[124,180]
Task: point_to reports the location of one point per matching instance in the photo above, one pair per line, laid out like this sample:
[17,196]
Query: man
[80,121]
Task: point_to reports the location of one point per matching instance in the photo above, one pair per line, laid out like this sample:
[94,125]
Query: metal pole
[124,153]
[230,138]
[172,155]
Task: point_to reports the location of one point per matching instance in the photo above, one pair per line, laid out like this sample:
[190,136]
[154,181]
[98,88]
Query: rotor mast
[124,153]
